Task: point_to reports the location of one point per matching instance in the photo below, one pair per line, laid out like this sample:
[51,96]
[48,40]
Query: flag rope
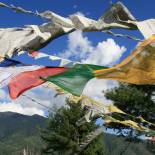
[22,10]
[35,101]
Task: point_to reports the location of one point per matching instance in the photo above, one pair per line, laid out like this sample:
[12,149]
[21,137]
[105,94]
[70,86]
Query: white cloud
[18,108]
[26,106]
[95,89]
[78,46]
[106,53]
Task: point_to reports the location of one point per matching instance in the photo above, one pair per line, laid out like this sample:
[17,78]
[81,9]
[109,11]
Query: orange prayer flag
[137,68]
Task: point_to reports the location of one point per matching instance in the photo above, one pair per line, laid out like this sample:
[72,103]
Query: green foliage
[117,145]
[97,147]
[19,132]
[135,100]
[62,136]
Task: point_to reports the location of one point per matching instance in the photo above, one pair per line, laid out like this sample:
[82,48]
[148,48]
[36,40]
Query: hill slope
[118,146]
[19,132]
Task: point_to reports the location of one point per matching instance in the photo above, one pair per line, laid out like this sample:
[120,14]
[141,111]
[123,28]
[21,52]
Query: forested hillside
[19,132]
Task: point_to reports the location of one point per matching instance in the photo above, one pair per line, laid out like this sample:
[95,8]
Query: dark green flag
[75,79]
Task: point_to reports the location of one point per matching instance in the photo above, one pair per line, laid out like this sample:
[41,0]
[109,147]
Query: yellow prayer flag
[129,123]
[138,68]
[113,109]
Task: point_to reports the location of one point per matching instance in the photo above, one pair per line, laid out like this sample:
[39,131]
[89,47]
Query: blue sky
[90,8]
[93,9]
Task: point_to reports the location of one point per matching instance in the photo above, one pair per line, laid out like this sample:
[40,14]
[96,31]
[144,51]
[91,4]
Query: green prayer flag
[75,79]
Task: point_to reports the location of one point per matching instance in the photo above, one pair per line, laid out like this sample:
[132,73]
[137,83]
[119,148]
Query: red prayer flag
[31,79]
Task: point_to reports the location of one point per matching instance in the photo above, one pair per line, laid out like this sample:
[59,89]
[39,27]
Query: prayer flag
[138,68]
[31,79]
[75,79]
[10,68]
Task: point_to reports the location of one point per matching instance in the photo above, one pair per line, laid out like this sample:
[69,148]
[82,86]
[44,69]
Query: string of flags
[137,68]
[72,77]
[96,109]
[34,37]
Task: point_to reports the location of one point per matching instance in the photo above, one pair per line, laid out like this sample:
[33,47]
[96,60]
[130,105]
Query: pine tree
[63,136]
[134,99]
[137,100]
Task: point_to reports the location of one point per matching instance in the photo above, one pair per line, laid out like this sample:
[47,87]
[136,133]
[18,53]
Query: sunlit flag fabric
[138,68]
[129,123]
[21,77]
[94,108]
[75,79]
[146,27]
[31,79]
[97,109]
[7,73]
[10,68]
[35,37]
[50,60]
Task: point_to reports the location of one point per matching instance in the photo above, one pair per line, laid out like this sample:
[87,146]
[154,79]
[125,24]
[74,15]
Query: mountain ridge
[19,132]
